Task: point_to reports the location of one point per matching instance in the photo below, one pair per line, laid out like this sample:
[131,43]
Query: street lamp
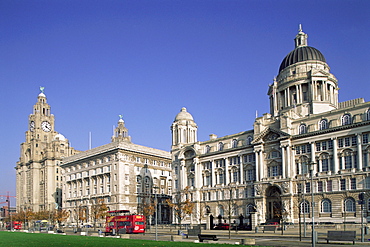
[313,236]
[156,213]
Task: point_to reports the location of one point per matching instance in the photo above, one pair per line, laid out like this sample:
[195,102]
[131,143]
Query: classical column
[313,155]
[257,165]
[213,177]
[227,175]
[335,155]
[261,165]
[241,169]
[283,161]
[359,151]
[183,180]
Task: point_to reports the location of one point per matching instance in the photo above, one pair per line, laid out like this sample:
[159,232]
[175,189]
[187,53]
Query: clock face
[32,126]
[46,126]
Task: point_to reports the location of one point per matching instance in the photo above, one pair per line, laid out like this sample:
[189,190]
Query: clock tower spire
[38,172]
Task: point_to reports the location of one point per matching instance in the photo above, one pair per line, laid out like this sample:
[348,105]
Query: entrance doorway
[273,204]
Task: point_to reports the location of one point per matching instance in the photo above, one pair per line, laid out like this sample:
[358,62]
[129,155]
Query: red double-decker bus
[16,225]
[122,221]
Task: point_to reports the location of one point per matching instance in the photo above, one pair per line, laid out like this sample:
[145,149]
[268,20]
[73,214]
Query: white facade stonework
[265,171]
[39,179]
[121,173]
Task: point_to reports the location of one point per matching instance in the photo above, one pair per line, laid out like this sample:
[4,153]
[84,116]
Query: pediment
[319,73]
[270,134]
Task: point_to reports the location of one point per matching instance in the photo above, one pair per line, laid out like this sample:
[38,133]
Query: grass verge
[19,239]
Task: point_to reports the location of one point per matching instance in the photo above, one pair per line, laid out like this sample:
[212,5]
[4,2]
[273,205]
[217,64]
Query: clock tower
[38,172]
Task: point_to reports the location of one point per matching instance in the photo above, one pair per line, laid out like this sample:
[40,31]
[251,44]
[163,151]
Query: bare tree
[182,205]
[98,211]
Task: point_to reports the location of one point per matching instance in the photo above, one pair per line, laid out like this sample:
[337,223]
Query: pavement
[290,237]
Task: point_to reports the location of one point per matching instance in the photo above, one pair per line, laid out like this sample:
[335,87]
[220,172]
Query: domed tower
[304,83]
[121,132]
[184,129]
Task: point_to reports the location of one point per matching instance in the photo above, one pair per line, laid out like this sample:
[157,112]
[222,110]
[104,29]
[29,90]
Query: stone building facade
[264,174]
[38,173]
[124,175]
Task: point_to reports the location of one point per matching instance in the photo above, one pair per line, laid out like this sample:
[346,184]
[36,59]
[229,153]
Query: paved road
[289,238]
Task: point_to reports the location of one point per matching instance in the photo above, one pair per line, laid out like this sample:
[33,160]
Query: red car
[222,226]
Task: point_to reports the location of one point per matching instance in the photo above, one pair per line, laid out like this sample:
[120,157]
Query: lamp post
[313,236]
[156,213]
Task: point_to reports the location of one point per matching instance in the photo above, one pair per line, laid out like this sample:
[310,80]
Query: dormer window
[346,119]
[302,129]
[368,115]
[323,124]
[220,146]
[249,140]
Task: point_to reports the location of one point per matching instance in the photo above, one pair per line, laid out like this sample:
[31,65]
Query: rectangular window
[354,140]
[323,145]
[364,161]
[347,142]
[308,148]
[299,188]
[250,175]
[330,144]
[365,138]
[353,183]
[340,142]
[318,146]
[342,184]
[221,178]
[319,186]
[325,165]
[308,187]
[348,162]
[329,185]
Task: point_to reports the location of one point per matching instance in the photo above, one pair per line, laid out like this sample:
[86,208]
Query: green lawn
[18,239]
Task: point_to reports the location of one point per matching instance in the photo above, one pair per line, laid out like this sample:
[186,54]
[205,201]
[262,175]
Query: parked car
[222,226]
[242,227]
[272,223]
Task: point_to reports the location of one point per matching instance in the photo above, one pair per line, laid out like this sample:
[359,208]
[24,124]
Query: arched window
[346,119]
[249,140]
[220,146]
[323,124]
[368,115]
[305,207]
[234,143]
[349,205]
[250,209]
[302,129]
[234,210]
[348,161]
[221,210]
[301,165]
[326,206]
[208,149]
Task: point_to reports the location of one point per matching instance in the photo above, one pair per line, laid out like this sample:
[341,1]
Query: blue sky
[147,59]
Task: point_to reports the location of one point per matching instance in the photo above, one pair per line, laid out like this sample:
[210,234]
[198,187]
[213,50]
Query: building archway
[273,204]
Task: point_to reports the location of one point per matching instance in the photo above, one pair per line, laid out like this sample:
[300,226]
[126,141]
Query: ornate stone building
[265,171]
[126,176]
[38,173]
